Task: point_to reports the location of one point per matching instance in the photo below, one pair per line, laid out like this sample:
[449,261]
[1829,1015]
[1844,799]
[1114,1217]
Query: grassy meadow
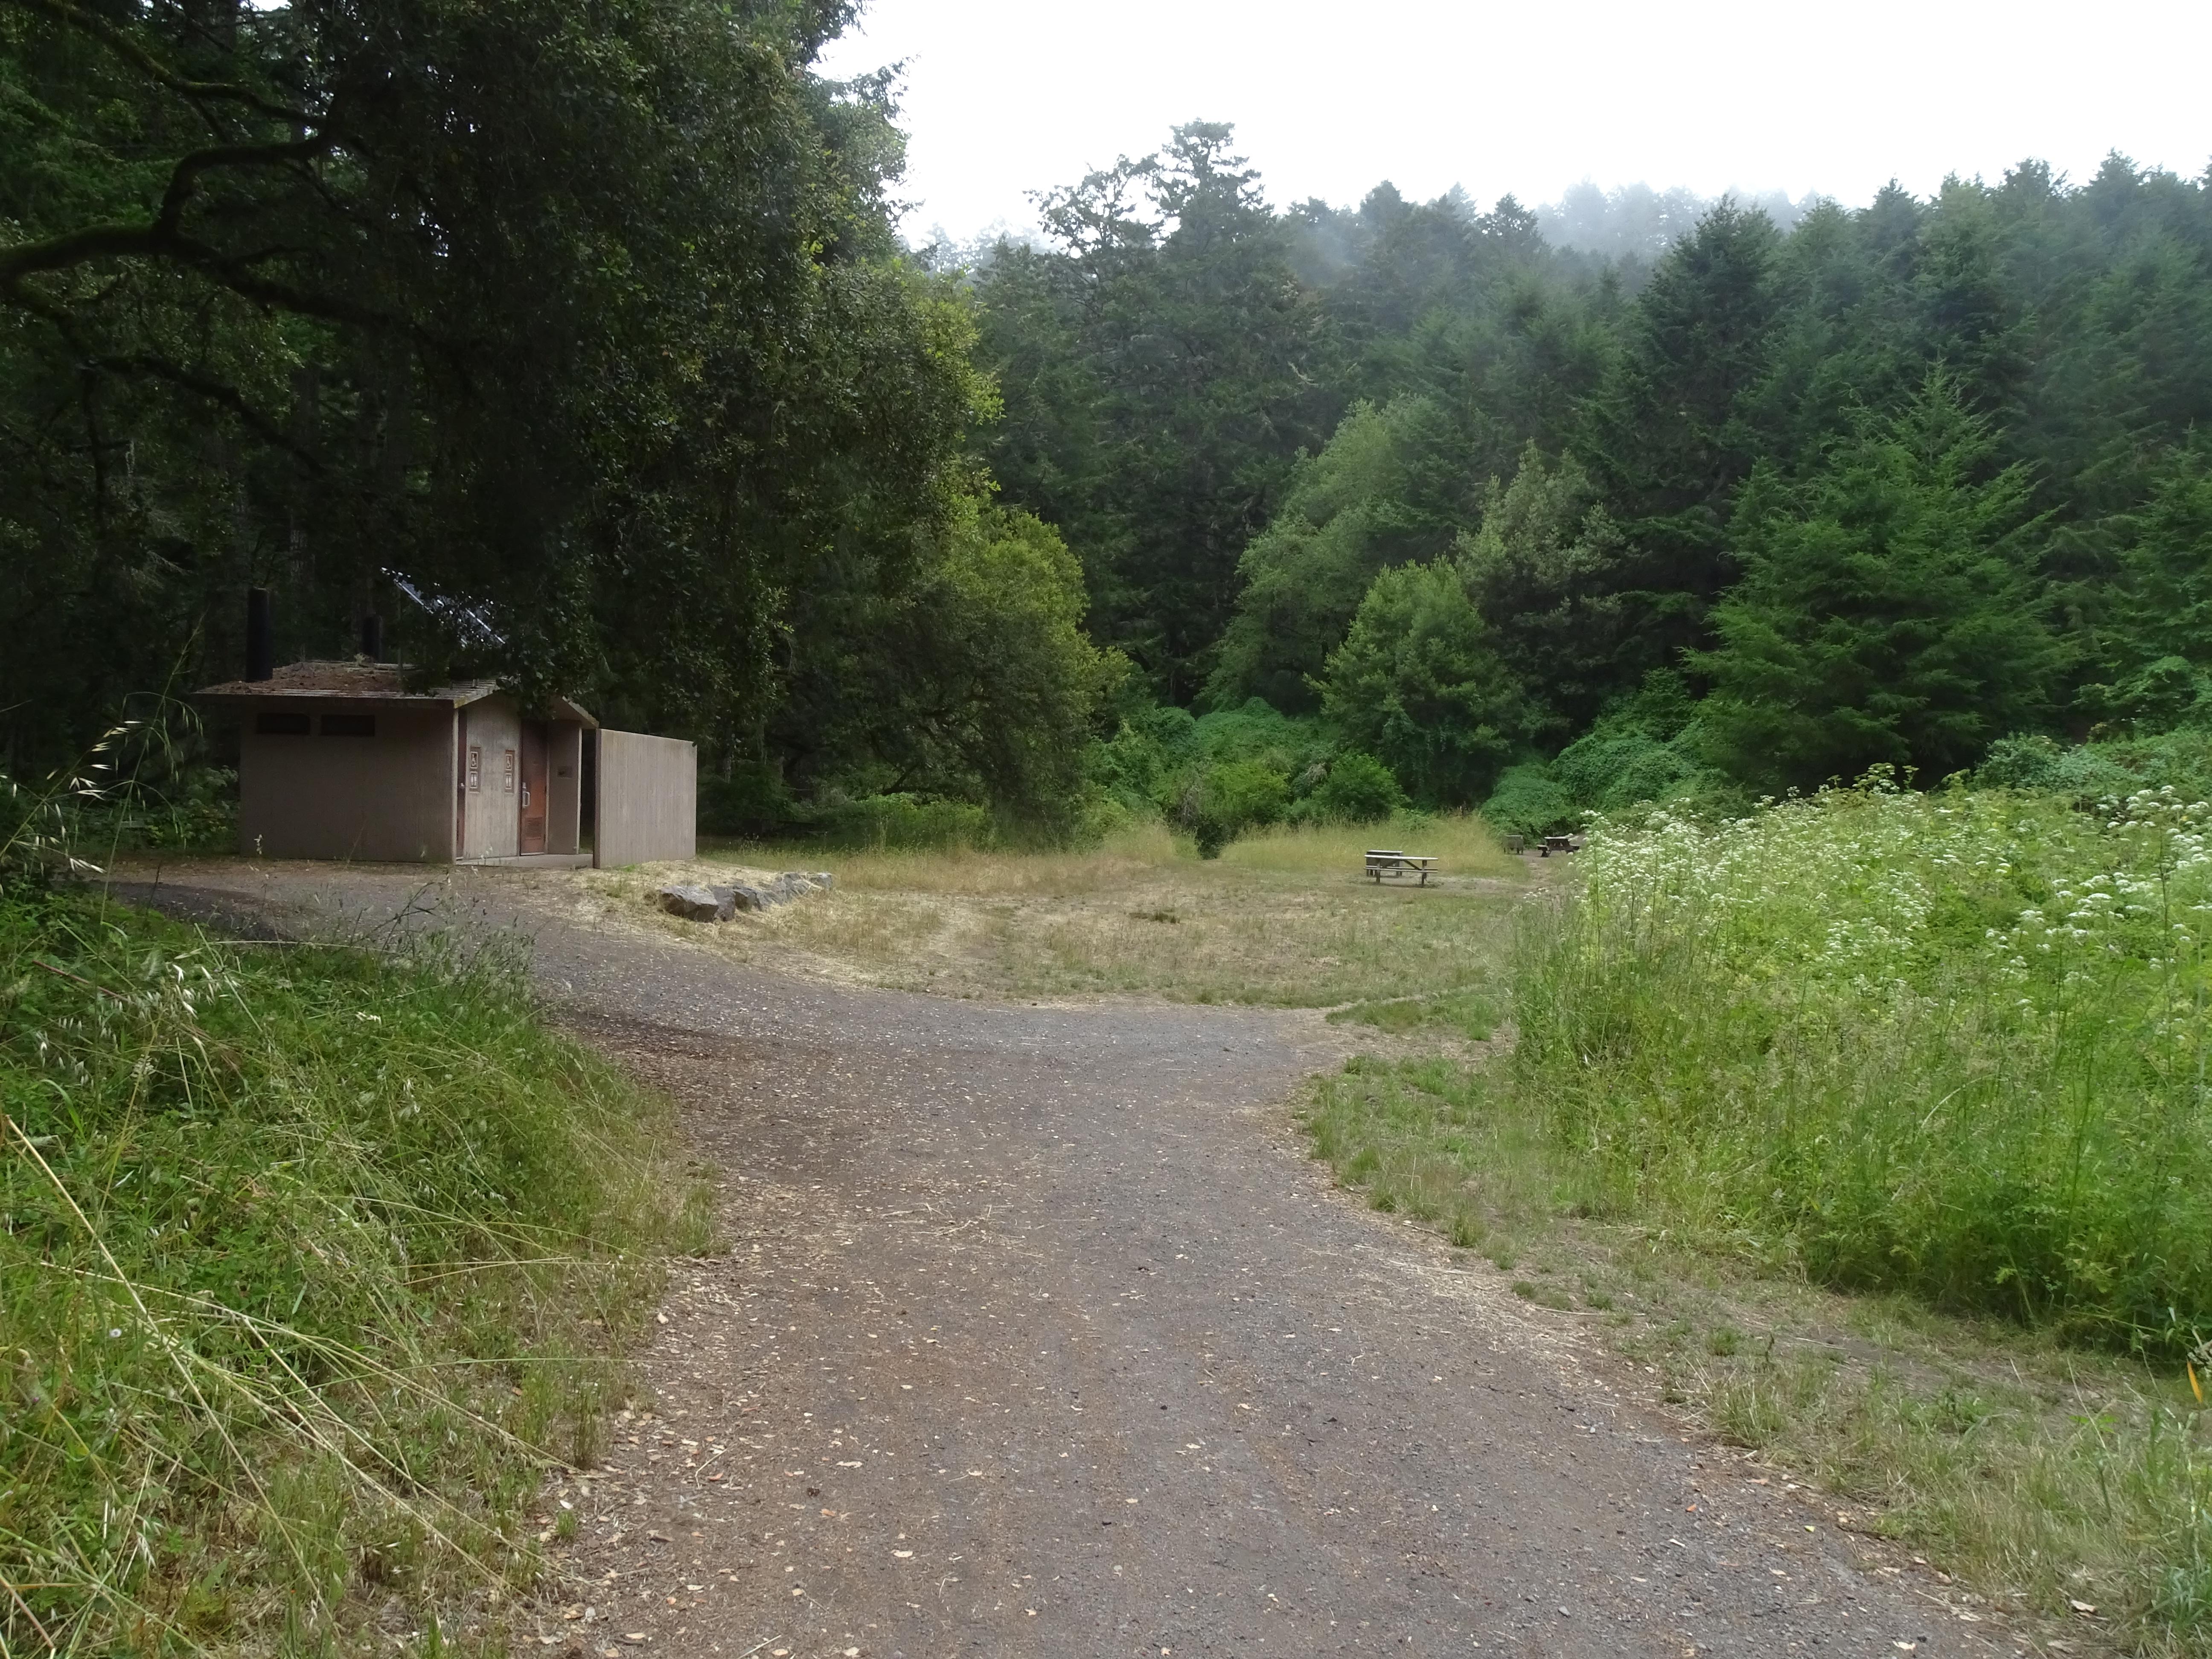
[1283,917]
[311,1260]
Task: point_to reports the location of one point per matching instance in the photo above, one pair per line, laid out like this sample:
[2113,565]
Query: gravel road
[1038,1335]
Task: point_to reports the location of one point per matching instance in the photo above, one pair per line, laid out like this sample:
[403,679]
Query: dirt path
[1038,1334]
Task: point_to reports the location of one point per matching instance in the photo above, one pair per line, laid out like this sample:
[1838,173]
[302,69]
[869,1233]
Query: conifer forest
[615,379]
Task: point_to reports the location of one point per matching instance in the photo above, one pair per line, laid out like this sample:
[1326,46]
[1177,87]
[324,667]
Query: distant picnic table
[1383,862]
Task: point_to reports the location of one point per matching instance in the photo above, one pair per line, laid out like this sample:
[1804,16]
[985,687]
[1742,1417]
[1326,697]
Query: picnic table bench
[1558,844]
[1383,862]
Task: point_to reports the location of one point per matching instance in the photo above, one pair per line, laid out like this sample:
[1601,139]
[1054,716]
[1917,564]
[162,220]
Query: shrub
[1258,731]
[1220,803]
[1135,767]
[1419,681]
[752,800]
[2113,767]
[1528,801]
[2081,773]
[745,804]
[1616,767]
[1357,789]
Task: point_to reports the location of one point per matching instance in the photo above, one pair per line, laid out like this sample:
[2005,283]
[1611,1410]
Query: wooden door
[535,795]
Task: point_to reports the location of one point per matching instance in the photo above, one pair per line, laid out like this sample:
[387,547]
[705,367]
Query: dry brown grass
[1284,918]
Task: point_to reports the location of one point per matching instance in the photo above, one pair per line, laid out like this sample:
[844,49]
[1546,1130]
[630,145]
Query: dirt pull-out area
[1036,1335]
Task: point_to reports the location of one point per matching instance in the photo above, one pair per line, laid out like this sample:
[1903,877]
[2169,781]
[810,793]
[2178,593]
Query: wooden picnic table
[1382,861]
[1558,844]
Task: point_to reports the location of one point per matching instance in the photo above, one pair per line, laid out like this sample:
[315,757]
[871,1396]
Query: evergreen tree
[1666,436]
[1203,375]
[1889,610]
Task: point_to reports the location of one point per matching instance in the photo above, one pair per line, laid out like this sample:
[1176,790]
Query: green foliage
[1645,752]
[1888,612]
[312,1259]
[1134,766]
[1976,1442]
[1385,490]
[1616,766]
[745,807]
[2090,773]
[1529,802]
[972,680]
[2040,765]
[1358,789]
[1418,683]
[885,823]
[143,782]
[2166,561]
[1546,567]
[1218,775]
[1667,434]
[1900,481]
[1950,1044]
[753,800]
[1218,802]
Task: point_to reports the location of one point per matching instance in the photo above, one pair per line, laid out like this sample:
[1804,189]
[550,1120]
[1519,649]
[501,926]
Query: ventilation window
[280,726]
[348,725]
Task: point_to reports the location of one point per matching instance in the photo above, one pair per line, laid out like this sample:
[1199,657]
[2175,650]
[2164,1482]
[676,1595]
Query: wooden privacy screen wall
[648,805]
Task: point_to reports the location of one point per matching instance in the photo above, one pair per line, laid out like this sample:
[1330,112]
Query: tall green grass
[896,823]
[310,1258]
[1953,1044]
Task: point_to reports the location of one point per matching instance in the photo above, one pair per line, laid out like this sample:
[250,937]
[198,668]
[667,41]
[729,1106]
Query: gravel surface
[1038,1334]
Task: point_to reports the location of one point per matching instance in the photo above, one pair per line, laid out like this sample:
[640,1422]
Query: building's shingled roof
[381,681]
[360,680]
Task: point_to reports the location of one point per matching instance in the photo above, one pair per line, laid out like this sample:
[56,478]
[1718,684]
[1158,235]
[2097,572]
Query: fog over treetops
[1639,221]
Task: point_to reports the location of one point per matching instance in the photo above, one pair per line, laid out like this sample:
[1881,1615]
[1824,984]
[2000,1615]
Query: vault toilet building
[339,760]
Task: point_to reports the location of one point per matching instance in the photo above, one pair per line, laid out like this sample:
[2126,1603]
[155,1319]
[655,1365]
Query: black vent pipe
[260,646]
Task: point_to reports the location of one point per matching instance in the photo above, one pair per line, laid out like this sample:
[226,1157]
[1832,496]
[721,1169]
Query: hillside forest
[613,377]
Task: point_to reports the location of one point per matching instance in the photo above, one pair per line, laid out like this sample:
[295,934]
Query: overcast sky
[1003,97]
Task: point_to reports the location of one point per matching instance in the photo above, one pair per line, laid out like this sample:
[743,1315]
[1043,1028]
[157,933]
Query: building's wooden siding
[389,797]
[648,806]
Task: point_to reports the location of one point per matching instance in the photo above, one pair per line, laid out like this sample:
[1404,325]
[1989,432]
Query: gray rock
[692,903]
[725,902]
[767,895]
[823,879]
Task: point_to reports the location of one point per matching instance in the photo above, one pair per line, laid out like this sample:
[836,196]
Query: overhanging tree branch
[162,236]
[197,92]
[162,239]
[184,178]
[153,365]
